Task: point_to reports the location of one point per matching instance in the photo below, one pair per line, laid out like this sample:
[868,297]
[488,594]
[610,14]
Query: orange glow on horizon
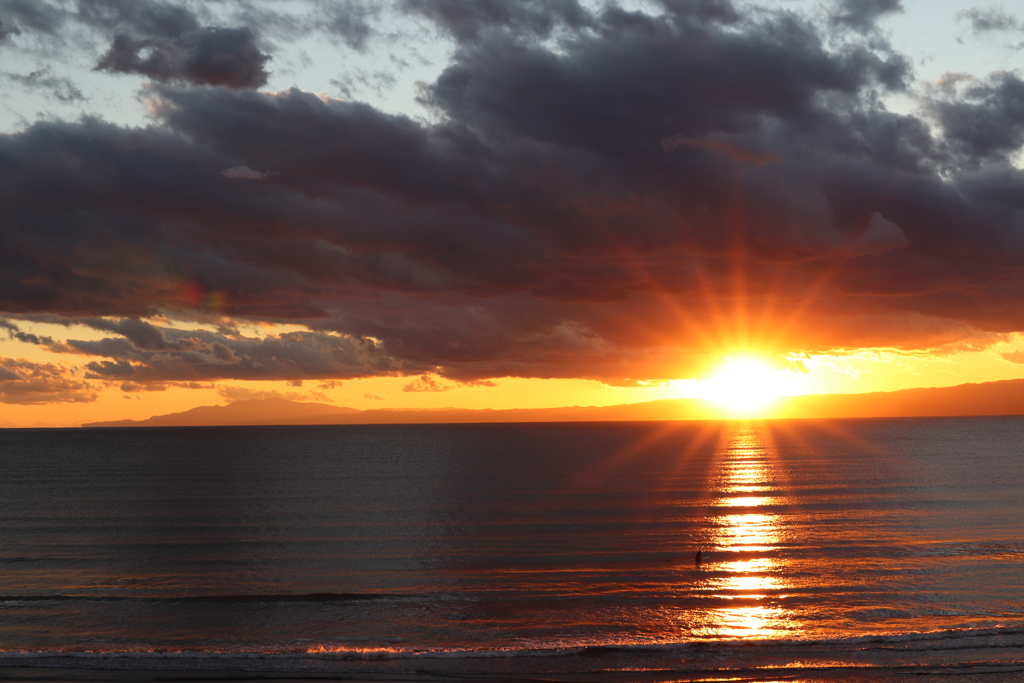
[747,384]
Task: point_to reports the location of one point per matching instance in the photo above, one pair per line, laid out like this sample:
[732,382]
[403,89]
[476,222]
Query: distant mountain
[990,398]
[279,411]
[256,412]
[1005,397]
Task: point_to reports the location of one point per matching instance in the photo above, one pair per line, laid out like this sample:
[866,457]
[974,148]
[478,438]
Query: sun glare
[744,386]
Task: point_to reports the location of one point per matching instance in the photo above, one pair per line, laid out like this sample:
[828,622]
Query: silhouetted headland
[990,398]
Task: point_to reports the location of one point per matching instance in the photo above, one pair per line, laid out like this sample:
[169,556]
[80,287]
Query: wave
[241,598]
[1008,637]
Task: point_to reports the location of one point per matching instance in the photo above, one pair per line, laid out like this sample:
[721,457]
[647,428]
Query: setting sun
[744,386]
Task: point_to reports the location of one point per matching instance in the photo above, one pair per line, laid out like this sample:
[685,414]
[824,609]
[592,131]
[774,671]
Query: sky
[481,203]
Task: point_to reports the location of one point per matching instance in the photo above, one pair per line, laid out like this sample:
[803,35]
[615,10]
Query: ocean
[845,549]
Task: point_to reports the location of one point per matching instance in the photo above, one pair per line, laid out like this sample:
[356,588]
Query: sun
[744,386]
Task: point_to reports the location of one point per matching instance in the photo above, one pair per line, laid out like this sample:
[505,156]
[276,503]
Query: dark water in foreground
[525,552]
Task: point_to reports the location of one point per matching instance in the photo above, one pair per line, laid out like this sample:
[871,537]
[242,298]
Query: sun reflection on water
[748,501]
[744,566]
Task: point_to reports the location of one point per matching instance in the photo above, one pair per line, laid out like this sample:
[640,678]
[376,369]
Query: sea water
[526,551]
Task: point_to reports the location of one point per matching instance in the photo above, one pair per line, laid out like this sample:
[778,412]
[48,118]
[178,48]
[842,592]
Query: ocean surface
[526,552]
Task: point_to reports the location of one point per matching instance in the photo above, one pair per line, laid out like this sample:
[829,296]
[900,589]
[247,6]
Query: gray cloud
[703,10]
[148,18]
[351,20]
[657,188]
[24,382]
[353,81]
[145,18]
[986,122]
[468,20]
[862,15]
[57,87]
[211,56]
[7,29]
[164,41]
[37,16]
[146,353]
[992,19]
[16,333]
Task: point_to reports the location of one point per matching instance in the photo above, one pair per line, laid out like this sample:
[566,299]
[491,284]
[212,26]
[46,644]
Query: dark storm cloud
[615,96]
[609,194]
[211,56]
[987,120]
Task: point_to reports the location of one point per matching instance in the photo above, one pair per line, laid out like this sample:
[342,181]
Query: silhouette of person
[697,557]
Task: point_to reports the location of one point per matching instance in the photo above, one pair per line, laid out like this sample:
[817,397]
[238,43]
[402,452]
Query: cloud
[57,87]
[15,332]
[244,172]
[1013,356]
[482,383]
[351,20]
[880,236]
[7,29]
[986,121]
[37,16]
[602,193]
[209,56]
[426,383]
[373,397]
[357,80]
[234,393]
[24,382]
[137,387]
[149,18]
[861,15]
[989,20]
[724,147]
[142,335]
[146,353]
[468,20]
